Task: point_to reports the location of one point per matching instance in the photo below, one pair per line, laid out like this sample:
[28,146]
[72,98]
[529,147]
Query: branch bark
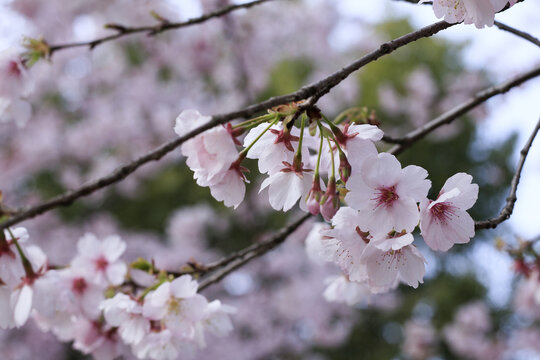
[453,114]
[507,210]
[517,32]
[155,29]
[238,259]
[312,92]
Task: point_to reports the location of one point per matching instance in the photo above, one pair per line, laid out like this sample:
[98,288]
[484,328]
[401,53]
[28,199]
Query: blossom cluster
[371,238]
[92,303]
[477,12]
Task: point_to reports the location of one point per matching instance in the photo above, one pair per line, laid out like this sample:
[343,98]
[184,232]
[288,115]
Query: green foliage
[287,76]
[135,54]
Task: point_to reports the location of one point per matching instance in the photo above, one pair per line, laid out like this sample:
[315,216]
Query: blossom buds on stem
[344,167]
[314,196]
[330,200]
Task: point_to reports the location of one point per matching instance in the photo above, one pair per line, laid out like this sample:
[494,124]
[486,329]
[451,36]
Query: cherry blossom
[162,345]
[385,269]
[11,268]
[216,320]
[273,147]
[125,313]
[445,222]
[341,289]
[213,157]
[386,195]
[177,305]
[477,12]
[101,258]
[287,186]
[347,243]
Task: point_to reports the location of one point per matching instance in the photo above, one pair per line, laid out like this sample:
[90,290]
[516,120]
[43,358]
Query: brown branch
[236,260]
[511,199]
[312,92]
[155,29]
[453,114]
[517,32]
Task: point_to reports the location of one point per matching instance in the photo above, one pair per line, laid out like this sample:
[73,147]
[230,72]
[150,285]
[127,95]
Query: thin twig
[236,260]
[453,114]
[314,92]
[153,29]
[511,199]
[517,32]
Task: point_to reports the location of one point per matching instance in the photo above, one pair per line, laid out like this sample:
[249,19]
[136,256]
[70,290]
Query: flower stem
[255,121]
[316,174]
[26,263]
[299,150]
[244,152]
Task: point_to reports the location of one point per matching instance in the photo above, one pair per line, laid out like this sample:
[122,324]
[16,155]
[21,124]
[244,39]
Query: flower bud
[344,167]
[330,201]
[314,196]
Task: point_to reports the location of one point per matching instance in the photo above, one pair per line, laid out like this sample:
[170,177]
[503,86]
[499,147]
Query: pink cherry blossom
[101,259]
[93,338]
[445,222]
[213,157]
[209,154]
[14,77]
[385,269]
[386,195]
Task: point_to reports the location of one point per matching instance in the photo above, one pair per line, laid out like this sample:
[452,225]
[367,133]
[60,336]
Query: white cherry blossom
[274,146]
[477,12]
[125,313]
[347,242]
[177,305]
[286,187]
[101,259]
[340,289]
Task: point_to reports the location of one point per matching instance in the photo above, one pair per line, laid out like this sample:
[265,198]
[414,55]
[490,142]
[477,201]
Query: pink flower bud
[330,201]
[344,167]
[314,196]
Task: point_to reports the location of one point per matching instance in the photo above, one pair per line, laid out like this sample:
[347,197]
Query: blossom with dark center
[386,195]
[445,221]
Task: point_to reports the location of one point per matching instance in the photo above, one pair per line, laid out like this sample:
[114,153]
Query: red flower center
[442,212]
[79,285]
[101,263]
[13,69]
[386,195]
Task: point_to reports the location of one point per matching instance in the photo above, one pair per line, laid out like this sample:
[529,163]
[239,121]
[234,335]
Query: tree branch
[511,199]
[453,114]
[517,32]
[238,259]
[155,29]
[314,91]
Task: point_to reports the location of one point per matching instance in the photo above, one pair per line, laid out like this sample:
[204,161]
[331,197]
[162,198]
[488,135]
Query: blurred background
[91,111]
